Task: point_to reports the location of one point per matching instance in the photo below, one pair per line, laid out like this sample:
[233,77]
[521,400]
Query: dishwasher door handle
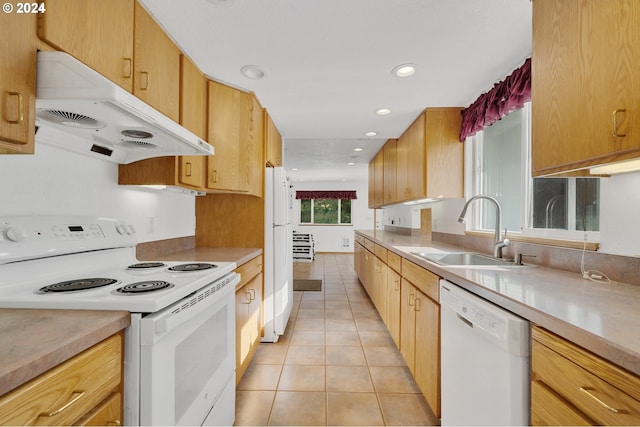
[469,324]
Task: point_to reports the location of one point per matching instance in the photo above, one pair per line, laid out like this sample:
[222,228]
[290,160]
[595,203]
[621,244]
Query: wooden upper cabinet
[378,167]
[445,153]
[98,33]
[252,145]
[273,142]
[17,83]
[193,107]
[585,84]
[223,168]
[156,66]
[389,171]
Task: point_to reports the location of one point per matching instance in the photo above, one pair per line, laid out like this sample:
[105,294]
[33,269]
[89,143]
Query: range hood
[80,110]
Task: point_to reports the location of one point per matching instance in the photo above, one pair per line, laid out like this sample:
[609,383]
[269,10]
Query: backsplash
[59,182]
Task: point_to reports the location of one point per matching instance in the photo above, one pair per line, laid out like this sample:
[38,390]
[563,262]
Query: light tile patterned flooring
[336,363]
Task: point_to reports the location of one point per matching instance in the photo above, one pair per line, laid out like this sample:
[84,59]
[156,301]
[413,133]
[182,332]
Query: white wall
[329,238]
[55,181]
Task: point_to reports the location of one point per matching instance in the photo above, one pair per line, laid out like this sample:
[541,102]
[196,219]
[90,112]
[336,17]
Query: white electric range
[179,363]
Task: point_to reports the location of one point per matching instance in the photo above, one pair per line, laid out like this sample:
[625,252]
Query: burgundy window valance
[306,195]
[506,96]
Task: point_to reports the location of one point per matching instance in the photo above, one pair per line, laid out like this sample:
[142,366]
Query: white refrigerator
[278,253]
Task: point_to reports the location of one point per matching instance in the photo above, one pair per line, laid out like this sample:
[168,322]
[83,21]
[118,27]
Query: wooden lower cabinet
[420,329]
[85,390]
[248,314]
[571,386]
[392,319]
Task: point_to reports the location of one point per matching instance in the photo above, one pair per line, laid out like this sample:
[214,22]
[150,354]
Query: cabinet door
[550,409]
[402,167]
[445,153]
[223,168]
[156,66]
[371,193]
[389,172]
[378,166]
[252,145]
[585,83]
[417,161]
[427,350]
[98,33]
[273,142]
[393,305]
[408,323]
[243,334]
[17,83]
[108,413]
[380,288]
[255,312]
[193,105]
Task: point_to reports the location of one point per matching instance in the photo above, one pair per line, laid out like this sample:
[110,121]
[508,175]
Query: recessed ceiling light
[351,163]
[294,169]
[358,149]
[371,133]
[252,72]
[383,111]
[343,179]
[404,70]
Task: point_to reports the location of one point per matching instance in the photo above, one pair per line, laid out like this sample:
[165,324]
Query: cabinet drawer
[67,392]
[381,252]
[422,279]
[394,261]
[550,409]
[597,399]
[108,413]
[370,245]
[249,270]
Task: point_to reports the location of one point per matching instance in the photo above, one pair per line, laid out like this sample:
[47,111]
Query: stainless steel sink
[465,259]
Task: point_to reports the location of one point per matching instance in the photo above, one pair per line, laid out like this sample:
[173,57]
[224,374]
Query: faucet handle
[518,258]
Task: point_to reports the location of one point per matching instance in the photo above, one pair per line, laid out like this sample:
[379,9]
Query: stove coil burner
[77,285]
[142,287]
[146,265]
[194,266]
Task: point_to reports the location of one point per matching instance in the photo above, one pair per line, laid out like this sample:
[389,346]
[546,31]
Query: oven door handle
[175,315]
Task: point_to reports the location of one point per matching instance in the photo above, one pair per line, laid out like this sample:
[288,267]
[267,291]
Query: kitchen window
[325,211]
[498,164]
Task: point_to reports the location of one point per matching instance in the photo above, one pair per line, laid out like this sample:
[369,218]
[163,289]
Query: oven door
[187,359]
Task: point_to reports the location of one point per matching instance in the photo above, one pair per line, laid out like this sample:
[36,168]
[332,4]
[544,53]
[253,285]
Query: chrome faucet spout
[498,243]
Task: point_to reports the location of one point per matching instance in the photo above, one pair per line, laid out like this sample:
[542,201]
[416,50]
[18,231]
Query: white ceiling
[328,63]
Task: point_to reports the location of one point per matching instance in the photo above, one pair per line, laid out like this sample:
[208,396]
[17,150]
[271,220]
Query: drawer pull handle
[252,294]
[127,66]
[144,80]
[78,395]
[588,390]
[614,117]
[412,298]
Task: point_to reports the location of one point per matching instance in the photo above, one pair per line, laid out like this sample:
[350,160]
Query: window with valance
[335,195]
[506,96]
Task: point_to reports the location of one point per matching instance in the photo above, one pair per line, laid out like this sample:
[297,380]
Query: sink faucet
[498,242]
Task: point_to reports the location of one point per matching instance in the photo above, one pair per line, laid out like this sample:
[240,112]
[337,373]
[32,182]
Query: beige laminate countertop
[237,255]
[34,341]
[603,318]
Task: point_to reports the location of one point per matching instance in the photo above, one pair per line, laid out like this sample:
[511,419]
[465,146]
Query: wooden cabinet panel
[427,348]
[408,323]
[585,84]
[248,323]
[224,134]
[273,142]
[67,392]
[378,178]
[394,261]
[252,145]
[445,153]
[379,291]
[156,66]
[108,413]
[392,319]
[550,409]
[98,33]
[249,270]
[389,172]
[601,391]
[423,279]
[17,83]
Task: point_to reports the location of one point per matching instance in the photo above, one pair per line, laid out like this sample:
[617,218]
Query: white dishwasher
[484,359]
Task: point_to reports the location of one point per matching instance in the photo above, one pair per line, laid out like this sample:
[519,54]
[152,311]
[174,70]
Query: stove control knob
[16,234]
[122,229]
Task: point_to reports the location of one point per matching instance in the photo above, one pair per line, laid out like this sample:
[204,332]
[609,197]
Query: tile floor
[336,364]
